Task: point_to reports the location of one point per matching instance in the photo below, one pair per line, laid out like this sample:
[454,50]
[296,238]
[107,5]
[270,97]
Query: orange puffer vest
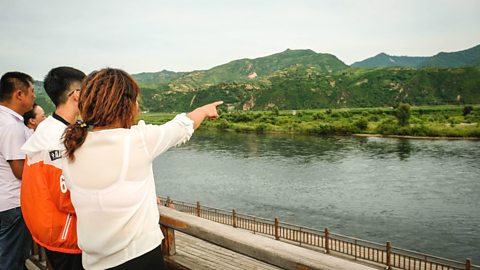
[44,197]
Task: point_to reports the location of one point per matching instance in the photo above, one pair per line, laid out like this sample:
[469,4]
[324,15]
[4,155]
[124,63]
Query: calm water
[422,195]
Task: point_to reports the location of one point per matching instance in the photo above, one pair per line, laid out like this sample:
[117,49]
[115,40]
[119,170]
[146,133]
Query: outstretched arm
[207,111]
[160,138]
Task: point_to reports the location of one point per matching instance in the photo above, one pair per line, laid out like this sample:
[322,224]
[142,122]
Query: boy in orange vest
[45,199]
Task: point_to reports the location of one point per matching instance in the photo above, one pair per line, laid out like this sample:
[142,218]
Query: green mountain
[465,58]
[264,66]
[304,79]
[302,87]
[248,69]
[470,57]
[385,60]
[154,78]
[41,97]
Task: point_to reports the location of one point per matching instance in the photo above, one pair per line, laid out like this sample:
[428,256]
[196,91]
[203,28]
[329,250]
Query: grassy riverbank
[423,121]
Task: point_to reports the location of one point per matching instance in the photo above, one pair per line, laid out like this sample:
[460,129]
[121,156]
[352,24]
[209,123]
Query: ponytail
[73,137]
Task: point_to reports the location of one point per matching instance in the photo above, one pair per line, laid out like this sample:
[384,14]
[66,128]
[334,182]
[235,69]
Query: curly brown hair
[108,99]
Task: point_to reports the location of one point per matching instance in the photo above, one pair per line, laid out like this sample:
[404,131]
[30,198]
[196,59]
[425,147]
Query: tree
[403,114]
[275,110]
[467,110]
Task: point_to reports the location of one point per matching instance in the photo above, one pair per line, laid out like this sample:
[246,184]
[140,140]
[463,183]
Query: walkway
[193,253]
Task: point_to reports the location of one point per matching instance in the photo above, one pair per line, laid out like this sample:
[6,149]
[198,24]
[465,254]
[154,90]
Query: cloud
[187,35]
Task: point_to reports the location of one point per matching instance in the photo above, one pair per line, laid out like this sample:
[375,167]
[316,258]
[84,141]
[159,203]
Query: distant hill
[385,60]
[163,76]
[42,98]
[304,79]
[470,57]
[302,87]
[248,69]
[465,58]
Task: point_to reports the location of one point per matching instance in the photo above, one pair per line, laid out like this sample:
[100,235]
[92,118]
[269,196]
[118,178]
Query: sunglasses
[73,91]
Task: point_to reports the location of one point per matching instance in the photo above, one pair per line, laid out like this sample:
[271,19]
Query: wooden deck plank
[194,253]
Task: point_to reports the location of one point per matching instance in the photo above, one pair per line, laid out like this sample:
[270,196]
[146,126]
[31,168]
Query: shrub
[466,110]
[361,123]
[241,117]
[373,118]
[275,111]
[402,112]
[417,130]
[318,116]
[260,128]
[244,129]
[387,127]
[333,129]
[335,115]
[223,124]
[473,117]
[345,114]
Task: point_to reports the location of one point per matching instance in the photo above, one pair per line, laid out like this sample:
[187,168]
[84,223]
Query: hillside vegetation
[469,57]
[304,79]
[303,87]
[424,121]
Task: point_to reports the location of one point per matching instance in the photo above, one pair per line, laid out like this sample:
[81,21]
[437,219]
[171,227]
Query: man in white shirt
[16,98]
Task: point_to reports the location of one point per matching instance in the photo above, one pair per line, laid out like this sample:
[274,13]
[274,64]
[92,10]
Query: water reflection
[377,189]
[404,148]
[303,149]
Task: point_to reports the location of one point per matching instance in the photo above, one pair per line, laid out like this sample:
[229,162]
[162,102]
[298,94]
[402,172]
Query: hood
[46,137]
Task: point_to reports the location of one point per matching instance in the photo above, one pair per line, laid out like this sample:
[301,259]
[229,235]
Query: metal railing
[38,257]
[384,254]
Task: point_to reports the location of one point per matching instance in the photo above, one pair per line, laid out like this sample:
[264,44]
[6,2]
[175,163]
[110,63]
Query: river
[421,195]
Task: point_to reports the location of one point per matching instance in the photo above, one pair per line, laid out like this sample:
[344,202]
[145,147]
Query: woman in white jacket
[108,170]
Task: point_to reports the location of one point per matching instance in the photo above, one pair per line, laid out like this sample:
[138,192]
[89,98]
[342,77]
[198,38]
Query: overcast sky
[185,35]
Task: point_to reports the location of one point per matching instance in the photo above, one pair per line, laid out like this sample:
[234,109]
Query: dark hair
[12,81]
[108,97]
[29,115]
[58,81]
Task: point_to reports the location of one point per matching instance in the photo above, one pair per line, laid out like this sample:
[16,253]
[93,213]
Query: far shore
[415,137]
[375,135]
[423,123]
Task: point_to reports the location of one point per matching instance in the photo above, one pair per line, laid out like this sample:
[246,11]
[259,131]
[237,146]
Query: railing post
[327,247]
[43,256]
[300,236]
[356,245]
[389,252]
[234,218]
[168,242]
[277,236]
[468,264]
[167,201]
[198,209]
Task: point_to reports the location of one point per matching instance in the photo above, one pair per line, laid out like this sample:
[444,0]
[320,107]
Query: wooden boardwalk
[193,253]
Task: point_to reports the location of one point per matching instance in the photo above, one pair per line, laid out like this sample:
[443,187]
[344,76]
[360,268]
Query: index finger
[217,103]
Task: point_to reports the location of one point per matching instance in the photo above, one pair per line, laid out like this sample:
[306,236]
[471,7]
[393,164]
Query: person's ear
[32,122]
[18,95]
[76,95]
